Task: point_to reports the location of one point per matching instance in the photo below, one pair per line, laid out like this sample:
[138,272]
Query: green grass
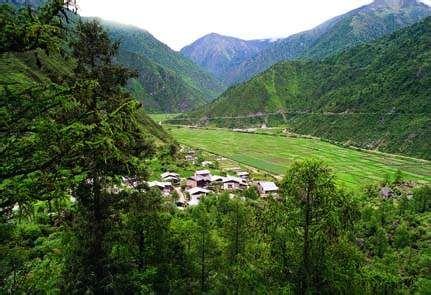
[162,117]
[353,168]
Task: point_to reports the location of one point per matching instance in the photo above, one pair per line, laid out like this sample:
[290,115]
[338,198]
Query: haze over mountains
[220,54]
[361,25]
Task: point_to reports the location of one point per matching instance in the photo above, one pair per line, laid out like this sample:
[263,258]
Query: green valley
[99,197]
[353,168]
[167,81]
[375,96]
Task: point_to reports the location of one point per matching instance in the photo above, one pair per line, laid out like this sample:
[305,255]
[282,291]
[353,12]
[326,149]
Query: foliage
[273,153]
[69,223]
[359,26]
[382,89]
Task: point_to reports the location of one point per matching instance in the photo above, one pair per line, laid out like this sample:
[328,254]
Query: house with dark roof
[232,183]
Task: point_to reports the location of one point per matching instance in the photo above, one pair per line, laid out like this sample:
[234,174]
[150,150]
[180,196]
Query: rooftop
[167,174]
[198,190]
[202,172]
[268,186]
[159,184]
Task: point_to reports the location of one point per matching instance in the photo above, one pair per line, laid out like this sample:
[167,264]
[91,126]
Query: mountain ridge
[361,25]
[141,42]
[167,82]
[218,53]
[375,96]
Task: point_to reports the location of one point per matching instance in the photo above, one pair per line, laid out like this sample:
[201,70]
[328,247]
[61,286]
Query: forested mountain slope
[202,85]
[220,54]
[21,70]
[159,89]
[376,96]
[367,23]
[167,82]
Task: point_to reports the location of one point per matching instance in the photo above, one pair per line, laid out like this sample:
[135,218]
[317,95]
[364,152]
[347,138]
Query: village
[189,190]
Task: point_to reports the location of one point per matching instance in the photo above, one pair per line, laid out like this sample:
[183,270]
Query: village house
[171,177]
[232,183]
[243,175]
[165,187]
[202,178]
[194,181]
[196,194]
[386,192]
[203,174]
[266,188]
[217,178]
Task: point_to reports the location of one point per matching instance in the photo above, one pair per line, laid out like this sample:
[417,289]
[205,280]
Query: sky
[180,22]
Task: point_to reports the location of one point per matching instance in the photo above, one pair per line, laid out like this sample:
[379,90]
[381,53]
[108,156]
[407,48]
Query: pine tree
[111,143]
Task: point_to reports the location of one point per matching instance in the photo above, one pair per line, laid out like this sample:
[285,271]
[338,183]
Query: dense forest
[71,134]
[382,88]
[167,81]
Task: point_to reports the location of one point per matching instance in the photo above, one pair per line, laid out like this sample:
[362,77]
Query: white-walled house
[170,177]
[196,194]
[203,174]
[266,188]
[243,175]
[232,183]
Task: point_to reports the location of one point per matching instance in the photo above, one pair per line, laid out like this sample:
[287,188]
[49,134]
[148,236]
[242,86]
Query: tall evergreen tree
[321,214]
[111,143]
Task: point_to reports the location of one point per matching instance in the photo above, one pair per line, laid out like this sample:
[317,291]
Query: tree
[111,143]
[322,214]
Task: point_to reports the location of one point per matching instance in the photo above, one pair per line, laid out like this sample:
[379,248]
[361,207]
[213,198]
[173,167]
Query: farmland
[353,168]
[162,117]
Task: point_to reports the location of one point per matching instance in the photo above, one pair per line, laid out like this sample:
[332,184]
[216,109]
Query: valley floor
[274,153]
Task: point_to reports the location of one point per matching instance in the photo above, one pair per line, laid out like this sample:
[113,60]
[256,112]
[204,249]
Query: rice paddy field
[353,168]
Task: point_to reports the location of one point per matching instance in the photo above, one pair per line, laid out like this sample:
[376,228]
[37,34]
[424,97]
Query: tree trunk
[306,254]
[98,252]
[203,263]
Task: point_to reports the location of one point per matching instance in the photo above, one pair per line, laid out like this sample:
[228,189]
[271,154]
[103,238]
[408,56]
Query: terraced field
[353,168]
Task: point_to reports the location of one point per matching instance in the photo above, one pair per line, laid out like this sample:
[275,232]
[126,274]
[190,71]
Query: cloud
[179,23]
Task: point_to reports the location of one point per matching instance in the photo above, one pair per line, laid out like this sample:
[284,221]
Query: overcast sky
[180,22]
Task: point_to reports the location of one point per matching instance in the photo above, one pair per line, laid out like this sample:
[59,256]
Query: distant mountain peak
[395,4]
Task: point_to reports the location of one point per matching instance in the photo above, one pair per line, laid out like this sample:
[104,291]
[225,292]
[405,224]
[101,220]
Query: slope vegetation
[365,24]
[196,86]
[375,96]
[23,70]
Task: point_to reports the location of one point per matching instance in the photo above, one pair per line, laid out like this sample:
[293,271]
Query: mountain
[196,86]
[20,3]
[22,70]
[365,24]
[167,82]
[376,96]
[159,89]
[220,54]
